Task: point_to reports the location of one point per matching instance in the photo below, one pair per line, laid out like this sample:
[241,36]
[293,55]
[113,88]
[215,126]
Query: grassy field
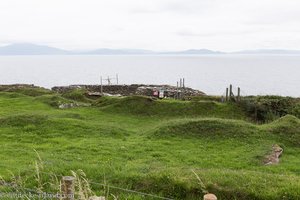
[153,146]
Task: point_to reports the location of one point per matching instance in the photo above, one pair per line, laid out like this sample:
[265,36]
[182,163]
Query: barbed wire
[26,193]
[46,162]
[224,196]
[14,186]
[95,183]
[132,191]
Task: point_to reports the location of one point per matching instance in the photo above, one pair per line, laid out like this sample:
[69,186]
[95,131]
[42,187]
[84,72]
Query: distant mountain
[142,51]
[268,51]
[196,51]
[118,52]
[31,49]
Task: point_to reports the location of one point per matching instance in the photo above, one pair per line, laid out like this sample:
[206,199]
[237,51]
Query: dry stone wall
[135,89]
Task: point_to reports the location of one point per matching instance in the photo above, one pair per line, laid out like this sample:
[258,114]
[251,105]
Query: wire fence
[226,195]
[22,189]
[15,191]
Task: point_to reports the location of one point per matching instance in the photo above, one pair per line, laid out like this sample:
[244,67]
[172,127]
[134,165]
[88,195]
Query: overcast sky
[226,25]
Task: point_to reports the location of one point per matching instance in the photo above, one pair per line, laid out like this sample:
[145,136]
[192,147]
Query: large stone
[209,197]
[273,157]
[73,105]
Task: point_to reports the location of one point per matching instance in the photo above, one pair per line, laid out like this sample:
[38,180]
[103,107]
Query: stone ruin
[118,90]
[129,90]
[16,86]
[273,157]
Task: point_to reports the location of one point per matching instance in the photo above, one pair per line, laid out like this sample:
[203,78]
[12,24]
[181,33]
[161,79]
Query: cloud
[185,33]
[155,24]
[143,11]
[188,6]
[179,7]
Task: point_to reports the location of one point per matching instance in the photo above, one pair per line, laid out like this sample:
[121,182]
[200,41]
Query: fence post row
[230,94]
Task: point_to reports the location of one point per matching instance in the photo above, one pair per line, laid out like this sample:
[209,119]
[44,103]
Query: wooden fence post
[226,94]
[230,92]
[101,87]
[209,197]
[68,188]
[239,94]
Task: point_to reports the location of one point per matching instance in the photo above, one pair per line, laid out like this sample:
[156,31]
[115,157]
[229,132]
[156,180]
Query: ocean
[254,74]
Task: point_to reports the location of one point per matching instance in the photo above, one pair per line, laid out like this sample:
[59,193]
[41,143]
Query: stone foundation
[135,89]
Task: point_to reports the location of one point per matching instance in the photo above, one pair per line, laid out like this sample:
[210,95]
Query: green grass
[149,145]
[145,106]
[77,95]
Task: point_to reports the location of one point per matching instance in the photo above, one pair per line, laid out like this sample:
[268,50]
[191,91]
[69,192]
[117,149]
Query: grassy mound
[26,90]
[23,120]
[286,121]
[208,127]
[77,95]
[145,106]
[53,100]
[12,95]
[287,128]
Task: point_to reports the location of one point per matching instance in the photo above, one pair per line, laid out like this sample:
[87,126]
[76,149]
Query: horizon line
[149,51]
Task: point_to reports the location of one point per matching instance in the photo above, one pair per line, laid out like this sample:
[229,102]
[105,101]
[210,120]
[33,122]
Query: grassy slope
[151,146]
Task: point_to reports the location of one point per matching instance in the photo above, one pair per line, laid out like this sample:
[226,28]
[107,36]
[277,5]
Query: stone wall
[16,86]
[124,90]
[135,89]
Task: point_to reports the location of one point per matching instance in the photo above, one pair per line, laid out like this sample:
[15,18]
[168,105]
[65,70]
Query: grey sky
[226,25]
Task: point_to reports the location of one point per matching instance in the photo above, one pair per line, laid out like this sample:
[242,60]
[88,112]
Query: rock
[97,94]
[67,105]
[72,105]
[111,95]
[273,157]
[209,197]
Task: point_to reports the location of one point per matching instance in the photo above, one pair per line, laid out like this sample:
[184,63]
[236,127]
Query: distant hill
[196,51]
[31,49]
[105,51]
[268,51]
